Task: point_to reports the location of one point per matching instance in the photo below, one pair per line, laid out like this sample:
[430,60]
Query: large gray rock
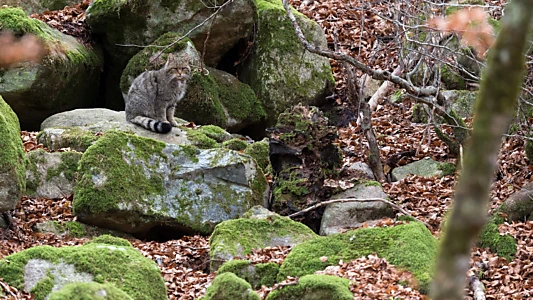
[340,217]
[213,96]
[425,168]
[280,71]
[51,175]
[12,166]
[142,22]
[257,229]
[67,77]
[134,184]
[43,270]
[80,128]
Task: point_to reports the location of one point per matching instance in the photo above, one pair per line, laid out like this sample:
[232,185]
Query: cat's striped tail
[151,124]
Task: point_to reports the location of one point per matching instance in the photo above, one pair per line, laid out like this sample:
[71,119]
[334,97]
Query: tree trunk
[497,100]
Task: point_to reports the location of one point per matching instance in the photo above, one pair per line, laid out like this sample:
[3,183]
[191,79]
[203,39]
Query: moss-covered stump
[256,275]
[280,71]
[302,154]
[67,77]
[312,287]
[410,246]
[229,286]
[12,160]
[51,175]
[89,291]
[141,22]
[44,269]
[258,229]
[212,97]
[134,184]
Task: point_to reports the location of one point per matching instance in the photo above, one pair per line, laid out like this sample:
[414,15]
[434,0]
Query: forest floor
[184,263]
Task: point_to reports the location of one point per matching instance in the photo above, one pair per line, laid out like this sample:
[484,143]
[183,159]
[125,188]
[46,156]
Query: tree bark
[499,90]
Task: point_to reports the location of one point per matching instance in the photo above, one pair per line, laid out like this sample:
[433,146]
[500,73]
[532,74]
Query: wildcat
[153,95]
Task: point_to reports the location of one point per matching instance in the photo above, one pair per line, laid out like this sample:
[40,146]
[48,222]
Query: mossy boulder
[13,163]
[257,275]
[257,229]
[410,246]
[42,270]
[312,287]
[141,22]
[80,128]
[280,71]
[425,168]
[51,175]
[89,291]
[461,102]
[39,6]
[212,97]
[229,286]
[519,206]
[134,184]
[67,77]
[339,217]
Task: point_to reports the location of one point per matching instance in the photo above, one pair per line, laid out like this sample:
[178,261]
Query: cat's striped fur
[153,95]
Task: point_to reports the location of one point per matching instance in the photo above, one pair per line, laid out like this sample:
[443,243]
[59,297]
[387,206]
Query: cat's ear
[170,59]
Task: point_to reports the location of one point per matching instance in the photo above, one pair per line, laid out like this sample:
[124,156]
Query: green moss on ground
[90,194]
[214,132]
[315,287]
[503,245]
[229,286]
[108,259]
[89,291]
[410,246]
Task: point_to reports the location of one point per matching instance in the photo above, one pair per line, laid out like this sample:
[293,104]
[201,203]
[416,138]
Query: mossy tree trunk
[497,100]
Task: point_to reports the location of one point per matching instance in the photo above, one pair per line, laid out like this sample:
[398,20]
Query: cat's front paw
[173,123]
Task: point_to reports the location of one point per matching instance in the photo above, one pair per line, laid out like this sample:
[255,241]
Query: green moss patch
[259,151]
[410,246]
[503,245]
[116,262]
[235,144]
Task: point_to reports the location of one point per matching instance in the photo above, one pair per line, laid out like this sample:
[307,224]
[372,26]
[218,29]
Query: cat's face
[178,70]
